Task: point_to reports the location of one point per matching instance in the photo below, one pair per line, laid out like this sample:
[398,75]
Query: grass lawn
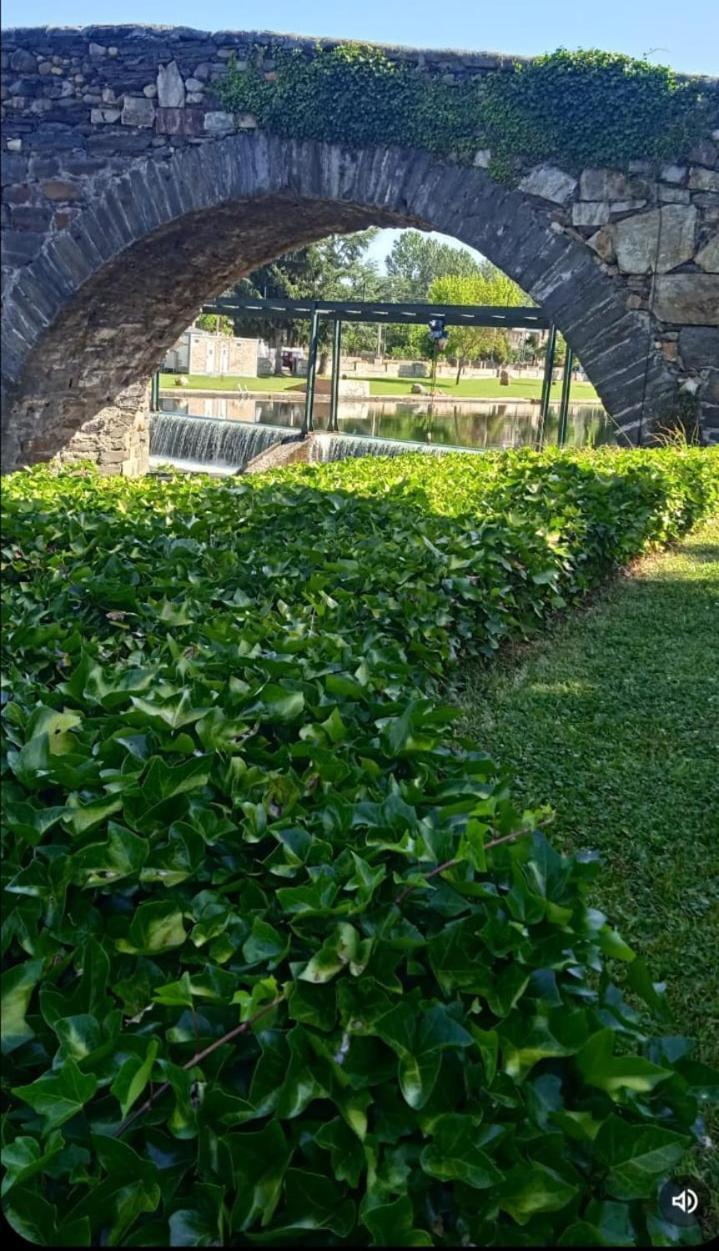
[614,720]
[526,389]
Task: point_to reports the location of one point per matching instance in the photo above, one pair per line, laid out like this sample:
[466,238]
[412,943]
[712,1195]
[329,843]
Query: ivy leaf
[453,1155]
[613,1074]
[133,1077]
[17,987]
[259,1162]
[155,927]
[636,1155]
[60,1095]
[529,1189]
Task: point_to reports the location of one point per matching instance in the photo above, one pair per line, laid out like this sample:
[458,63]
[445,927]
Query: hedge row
[284,962]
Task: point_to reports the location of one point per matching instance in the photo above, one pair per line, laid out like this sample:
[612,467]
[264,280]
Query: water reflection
[511,423]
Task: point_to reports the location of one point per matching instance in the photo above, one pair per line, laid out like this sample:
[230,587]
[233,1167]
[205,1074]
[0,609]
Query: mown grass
[614,719]
[468,388]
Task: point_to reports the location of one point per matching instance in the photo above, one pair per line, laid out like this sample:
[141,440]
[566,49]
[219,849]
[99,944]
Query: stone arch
[95,311]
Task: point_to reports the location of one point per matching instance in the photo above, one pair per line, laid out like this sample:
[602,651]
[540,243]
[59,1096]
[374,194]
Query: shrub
[284,964]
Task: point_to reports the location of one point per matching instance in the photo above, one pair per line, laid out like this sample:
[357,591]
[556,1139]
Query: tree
[216,323]
[417,260]
[488,286]
[336,268]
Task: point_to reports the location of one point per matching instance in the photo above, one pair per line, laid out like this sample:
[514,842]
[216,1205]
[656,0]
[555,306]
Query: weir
[213,443]
[210,441]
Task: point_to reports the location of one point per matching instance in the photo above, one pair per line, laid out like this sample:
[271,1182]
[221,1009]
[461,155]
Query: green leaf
[529,1189]
[60,1095]
[453,1155]
[17,987]
[390,1223]
[259,1161]
[616,1073]
[201,1223]
[24,1157]
[133,1077]
[636,1156]
[155,927]
[347,1156]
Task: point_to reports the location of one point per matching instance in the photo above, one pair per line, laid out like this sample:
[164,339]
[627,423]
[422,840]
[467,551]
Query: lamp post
[439,337]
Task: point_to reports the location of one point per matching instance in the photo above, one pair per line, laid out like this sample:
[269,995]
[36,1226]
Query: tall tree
[336,268]
[487,286]
[417,260]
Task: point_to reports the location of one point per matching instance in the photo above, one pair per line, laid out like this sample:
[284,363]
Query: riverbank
[481,390]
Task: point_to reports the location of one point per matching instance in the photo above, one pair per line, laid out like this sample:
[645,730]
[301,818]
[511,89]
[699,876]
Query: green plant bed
[284,962]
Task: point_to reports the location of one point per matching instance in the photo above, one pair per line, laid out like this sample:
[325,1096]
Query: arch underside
[99,308]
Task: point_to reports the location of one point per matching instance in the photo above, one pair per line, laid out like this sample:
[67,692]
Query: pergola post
[335,391]
[564,402]
[547,381]
[308,423]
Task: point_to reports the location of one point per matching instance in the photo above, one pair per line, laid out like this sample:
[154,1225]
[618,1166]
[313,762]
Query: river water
[235,430]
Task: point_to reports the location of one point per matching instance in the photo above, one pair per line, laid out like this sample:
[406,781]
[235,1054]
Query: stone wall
[130,196]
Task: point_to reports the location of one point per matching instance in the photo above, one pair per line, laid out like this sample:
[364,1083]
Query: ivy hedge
[283,963]
[583,108]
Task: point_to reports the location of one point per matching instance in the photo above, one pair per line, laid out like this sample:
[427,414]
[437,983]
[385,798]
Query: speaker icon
[687,1200]
[682,1200]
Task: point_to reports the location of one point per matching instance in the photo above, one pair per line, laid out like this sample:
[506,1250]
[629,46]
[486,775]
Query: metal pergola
[377,312]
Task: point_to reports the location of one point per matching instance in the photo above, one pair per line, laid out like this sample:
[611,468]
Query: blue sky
[682,33]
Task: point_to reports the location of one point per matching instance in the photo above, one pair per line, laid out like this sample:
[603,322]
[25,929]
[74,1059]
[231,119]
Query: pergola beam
[378,312]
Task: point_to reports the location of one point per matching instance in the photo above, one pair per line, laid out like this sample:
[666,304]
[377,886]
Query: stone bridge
[131,196]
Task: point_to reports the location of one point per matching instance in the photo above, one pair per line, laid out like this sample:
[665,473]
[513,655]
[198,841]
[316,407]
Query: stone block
[687,299]
[138,111]
[194,84]
[704,152]
[150,91]
[170,87]
[603,243]
[626,206]
[96,51]
[217,123]
[707,257]
[180,122]
[101,117]
[674,195]
[23,62]
[657,241]
[549,182]
[604,184]
[701,179]
[587,213]
[699,346]
[246,121]
[60,189]
[673,173]
[482,158]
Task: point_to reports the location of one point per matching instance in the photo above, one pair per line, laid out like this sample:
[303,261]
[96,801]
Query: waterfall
[208,442]
[327,447]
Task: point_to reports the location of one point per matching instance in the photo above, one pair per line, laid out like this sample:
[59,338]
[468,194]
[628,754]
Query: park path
[613,719]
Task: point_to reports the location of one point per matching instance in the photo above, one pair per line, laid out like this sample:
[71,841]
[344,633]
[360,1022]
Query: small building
[205,352]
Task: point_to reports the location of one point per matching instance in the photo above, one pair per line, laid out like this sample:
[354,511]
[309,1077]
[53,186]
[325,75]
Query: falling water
[205,442]
[216,445]
[340,446]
